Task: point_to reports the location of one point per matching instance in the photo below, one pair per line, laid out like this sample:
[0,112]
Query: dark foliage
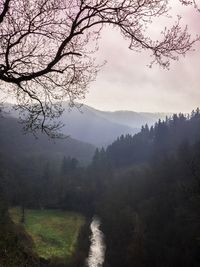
[150,209]
[145,188]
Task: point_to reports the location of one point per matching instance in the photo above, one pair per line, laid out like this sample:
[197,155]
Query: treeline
[158,140]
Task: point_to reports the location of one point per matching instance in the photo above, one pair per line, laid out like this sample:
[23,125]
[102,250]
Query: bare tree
[46,55]
[191,2]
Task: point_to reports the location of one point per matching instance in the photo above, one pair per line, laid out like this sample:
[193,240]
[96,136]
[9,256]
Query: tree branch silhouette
[46,54]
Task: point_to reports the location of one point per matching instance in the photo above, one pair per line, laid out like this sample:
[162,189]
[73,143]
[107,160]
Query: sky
[127,83]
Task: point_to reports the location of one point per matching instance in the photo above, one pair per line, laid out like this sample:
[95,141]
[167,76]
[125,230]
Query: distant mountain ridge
[132,119]
[101,128]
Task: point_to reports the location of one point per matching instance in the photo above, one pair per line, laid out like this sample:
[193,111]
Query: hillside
[89,126]
[15,143]
[102,128]
[149,195]
[133,119]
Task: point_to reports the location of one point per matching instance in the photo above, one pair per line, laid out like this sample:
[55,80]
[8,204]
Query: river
[97,247]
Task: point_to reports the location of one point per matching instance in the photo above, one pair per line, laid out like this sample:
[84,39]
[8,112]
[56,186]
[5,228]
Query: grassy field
[54,232]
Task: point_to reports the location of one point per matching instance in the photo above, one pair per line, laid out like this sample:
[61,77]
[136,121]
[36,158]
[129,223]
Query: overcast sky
[126,83]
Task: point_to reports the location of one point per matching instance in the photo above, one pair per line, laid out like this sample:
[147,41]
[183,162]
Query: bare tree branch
[45,47]
[4,7]
[192,2]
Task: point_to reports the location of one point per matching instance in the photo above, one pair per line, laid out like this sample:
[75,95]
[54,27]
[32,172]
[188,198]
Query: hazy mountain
[101,128]
[89,126]
[15,143]
[133,119]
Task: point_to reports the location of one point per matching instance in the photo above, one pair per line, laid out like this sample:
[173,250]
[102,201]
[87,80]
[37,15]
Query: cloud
[126,82]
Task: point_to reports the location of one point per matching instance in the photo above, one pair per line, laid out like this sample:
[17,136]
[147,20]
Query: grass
[54,232]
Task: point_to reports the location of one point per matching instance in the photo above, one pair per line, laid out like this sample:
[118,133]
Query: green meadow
[55,233]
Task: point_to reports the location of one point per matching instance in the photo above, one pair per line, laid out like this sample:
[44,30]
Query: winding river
[97,247]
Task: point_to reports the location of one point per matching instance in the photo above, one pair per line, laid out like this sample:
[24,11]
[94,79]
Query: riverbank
[60,238]
[16,246]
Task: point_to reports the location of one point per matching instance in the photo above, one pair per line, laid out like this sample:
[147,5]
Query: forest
[145,188]
[99,190]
